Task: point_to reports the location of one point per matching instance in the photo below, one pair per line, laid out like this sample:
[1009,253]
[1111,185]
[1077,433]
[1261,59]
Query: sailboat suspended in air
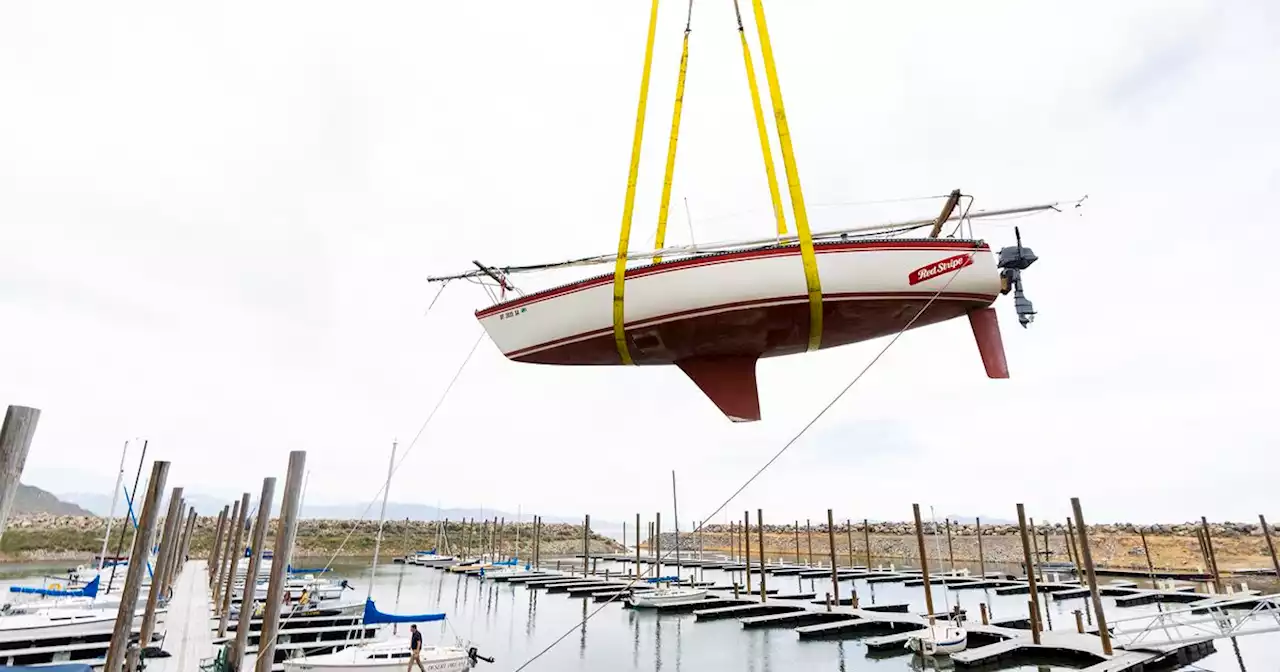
[714,310]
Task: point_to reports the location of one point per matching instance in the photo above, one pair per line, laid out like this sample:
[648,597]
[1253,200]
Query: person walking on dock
[415,648]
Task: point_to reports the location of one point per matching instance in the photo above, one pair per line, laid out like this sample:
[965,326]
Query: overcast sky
[217,220]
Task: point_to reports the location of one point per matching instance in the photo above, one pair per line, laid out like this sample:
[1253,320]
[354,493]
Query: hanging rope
[807,257]
[624,237]
[661,237]
[785,447]
[774,196]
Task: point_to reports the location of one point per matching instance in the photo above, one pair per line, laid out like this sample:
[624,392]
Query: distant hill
[31,499]
[100,504]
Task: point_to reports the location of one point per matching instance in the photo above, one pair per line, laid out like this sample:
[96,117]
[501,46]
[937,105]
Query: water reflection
[485,613]
[582,641]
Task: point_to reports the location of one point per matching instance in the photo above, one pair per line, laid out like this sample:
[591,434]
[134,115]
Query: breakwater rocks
[42,536]
[1237,545]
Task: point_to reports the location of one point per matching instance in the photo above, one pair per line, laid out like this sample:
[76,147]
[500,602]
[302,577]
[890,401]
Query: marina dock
[188,637]
[885,628]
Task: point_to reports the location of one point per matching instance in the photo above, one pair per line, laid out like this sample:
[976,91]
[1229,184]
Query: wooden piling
[1092,577]
[797,530]
[1271,547]
[982,609]
[866,538]
[237,542]
[1079,621]
[220,572]
[831,542]
[226,580]
[1146,551]
[951,551]
[1066,538]
[746,547]
[1031,573]
[15,442]
[1035,549]
[286,533]
[1213,558]
[186,538]
[808,533]
[1204,551]
[237,654]
[180,527]
[848,530]
[1075,545]
[657,544]
[537,541]
[586,542]
[924,564]
[167,555]
[764,595]
[982,559]
[142,539]
[638,573]
[215,551]
[157,593]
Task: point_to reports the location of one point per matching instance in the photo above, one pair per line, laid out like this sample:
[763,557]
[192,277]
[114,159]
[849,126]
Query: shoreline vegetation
[1237,546]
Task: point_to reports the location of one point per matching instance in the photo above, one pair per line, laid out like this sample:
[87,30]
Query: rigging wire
[436,298]
[409,449]
[785,447]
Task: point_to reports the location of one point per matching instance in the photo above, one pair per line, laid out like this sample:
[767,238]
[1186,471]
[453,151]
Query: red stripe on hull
[711,259]
[756,329]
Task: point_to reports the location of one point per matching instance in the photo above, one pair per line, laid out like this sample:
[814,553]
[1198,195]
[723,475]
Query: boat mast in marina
[111,515]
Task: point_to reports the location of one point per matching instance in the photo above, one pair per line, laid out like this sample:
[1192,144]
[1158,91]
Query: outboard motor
[473,655]
[1013,261]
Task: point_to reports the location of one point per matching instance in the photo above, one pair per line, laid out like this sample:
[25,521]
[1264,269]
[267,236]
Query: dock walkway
[188,638]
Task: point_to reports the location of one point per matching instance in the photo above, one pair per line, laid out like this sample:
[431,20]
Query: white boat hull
[66,624]
[941,639]
[664,596]
[738,281]
[716,315]
[382,657]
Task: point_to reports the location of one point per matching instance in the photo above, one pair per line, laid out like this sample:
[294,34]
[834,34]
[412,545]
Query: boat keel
[729,381]
[986,331]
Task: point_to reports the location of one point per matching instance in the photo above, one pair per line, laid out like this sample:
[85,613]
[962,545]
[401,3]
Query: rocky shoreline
[37,537]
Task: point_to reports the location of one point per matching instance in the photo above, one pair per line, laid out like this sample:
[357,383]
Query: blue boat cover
[307,570]
[372,615]
[662,579]
[89,590]
[430,552]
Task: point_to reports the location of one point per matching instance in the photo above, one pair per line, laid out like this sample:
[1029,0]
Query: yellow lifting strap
[624,238]
[778,214]
[807,257]
[661,237]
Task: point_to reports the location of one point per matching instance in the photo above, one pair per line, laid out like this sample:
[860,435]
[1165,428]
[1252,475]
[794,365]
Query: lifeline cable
[762,469]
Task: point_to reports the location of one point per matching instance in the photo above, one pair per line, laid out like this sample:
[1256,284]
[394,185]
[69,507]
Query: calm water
[513,623]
